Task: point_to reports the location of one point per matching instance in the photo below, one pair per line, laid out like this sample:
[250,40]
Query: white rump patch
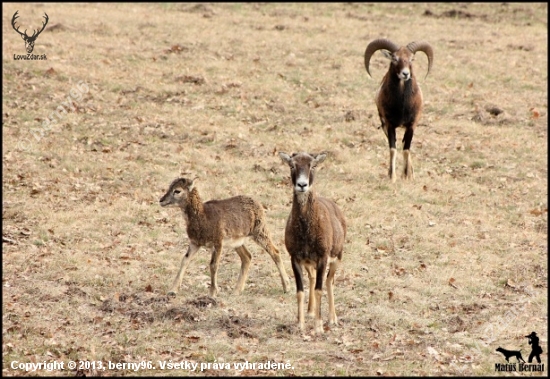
[332,259]
[234,242]
[229,243]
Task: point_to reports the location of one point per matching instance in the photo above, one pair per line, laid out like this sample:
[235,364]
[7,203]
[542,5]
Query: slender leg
[183,266]
[298,275]
[393,151]
[393,155]
[300,300]
[264,240]
[214,263]
[383,125]
[246,257]
[311,301]
[330,286]
[321,266]
[408,171]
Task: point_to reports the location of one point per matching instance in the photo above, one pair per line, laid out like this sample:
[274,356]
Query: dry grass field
[437,272]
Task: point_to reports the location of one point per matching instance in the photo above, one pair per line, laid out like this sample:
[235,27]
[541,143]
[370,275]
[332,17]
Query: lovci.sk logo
[29,40]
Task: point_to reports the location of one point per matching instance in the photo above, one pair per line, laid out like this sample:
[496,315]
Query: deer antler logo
[29,40]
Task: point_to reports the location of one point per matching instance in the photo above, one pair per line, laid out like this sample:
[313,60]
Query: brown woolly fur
[314,236]
[217,223]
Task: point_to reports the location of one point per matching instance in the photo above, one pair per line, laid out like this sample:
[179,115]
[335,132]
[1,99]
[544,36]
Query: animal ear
[320,158]
[191,184]
[285,157]
[387,54]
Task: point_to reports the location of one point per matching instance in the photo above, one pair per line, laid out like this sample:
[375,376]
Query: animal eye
[177,192]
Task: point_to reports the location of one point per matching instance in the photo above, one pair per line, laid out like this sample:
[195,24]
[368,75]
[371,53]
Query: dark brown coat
[314,237]
[399,98]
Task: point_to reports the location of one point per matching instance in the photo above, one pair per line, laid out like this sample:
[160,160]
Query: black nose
[302,185]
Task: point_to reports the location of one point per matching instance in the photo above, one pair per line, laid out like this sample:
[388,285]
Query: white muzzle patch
[405,74]
[302,184]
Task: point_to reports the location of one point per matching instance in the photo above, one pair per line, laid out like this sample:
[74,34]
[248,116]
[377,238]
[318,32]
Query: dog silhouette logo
[29,40]
[520,365]
[511,353]
[536,350]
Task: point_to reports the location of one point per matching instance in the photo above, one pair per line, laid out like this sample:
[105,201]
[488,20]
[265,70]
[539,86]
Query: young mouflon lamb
[218,223]
[314,236]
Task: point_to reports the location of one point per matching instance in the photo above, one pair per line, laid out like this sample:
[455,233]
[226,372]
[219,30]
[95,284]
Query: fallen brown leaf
[451,283]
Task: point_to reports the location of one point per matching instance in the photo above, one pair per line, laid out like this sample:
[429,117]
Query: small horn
[426,48]
[375,45]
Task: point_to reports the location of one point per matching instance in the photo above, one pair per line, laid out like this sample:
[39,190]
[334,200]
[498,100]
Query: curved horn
[375,45]
[426,48]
